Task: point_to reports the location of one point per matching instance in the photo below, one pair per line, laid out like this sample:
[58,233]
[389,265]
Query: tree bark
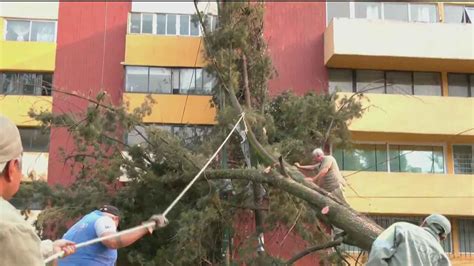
[361,231]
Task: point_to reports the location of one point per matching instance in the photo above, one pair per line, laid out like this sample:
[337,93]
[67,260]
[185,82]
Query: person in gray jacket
[19,244]
[407,244]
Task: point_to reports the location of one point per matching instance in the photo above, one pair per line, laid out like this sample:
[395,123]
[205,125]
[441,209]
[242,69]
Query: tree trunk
[361,231]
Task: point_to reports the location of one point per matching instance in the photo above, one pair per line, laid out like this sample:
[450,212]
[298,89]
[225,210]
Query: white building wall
[32,10]
[209,7]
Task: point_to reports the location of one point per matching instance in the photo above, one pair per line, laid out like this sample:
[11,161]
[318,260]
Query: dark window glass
[194,27]
[34,140]
[161,24]
[340,80]
[370,81]
[26,83]
[427,83]
[466,235]
[171,24]
[458,85]
[463,159]
[147,24]
[135,22]
[399,83]
[184,24]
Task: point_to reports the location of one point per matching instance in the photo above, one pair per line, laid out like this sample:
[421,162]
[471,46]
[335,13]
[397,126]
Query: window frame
[352,6]
[452,156]
[470,86]
[177,24]
[387,144]
[17,92]
[196,91]
[412,73]
[30,27]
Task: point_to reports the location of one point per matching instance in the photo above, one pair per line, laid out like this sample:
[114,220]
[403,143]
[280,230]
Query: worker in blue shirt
[100,223]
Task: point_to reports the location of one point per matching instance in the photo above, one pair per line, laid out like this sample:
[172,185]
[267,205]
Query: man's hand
[297,164]
[159,220]
[64,245]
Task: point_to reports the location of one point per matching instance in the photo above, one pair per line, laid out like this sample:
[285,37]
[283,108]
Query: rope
[152,224]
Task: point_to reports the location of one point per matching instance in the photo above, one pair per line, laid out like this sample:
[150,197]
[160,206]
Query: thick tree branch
[312,249]
[361,231]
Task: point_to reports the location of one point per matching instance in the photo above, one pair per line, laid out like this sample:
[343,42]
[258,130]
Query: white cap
[10,142]
[439,224]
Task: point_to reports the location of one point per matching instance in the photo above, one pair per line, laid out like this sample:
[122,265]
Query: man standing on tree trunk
[328,177]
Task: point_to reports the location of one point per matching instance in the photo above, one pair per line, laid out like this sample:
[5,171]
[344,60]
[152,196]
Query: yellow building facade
[27,64]
[414,63]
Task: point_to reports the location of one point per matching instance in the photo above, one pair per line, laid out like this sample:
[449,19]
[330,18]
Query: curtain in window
[42,31]
[18,30]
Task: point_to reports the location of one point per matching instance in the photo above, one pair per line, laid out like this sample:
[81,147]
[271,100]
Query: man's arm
[306,167]
[103,229]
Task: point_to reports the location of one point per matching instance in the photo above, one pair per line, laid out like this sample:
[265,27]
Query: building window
[463,159]
[137,79]
[370,81]
[168,80]
[423,13]
[26,83]
[399,82]
[30,30]
[412,12]
[367,157]
[416,159]
[426,83]
[392,158]
[340,80]
[466,235]
[458,14]
[34,139]
[390,82]
[168,24]
[368,10]
[395,11]
[460,85]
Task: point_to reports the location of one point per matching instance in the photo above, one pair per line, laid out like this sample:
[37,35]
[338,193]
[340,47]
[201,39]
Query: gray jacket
[406,244]
[19,244]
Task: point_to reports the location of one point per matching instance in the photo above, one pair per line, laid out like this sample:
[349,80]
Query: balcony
[166,51]
[396,45]
[417,118]
[175,109]
[414,193]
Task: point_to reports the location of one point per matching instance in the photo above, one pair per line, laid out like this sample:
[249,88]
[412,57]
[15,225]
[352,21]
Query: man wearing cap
[19,244]
[100,223]
[407,244]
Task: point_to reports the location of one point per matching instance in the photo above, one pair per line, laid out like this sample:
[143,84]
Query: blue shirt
[94,255]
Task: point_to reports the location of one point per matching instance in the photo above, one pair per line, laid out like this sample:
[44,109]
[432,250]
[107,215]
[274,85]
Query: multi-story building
[413,61]
[415,64]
